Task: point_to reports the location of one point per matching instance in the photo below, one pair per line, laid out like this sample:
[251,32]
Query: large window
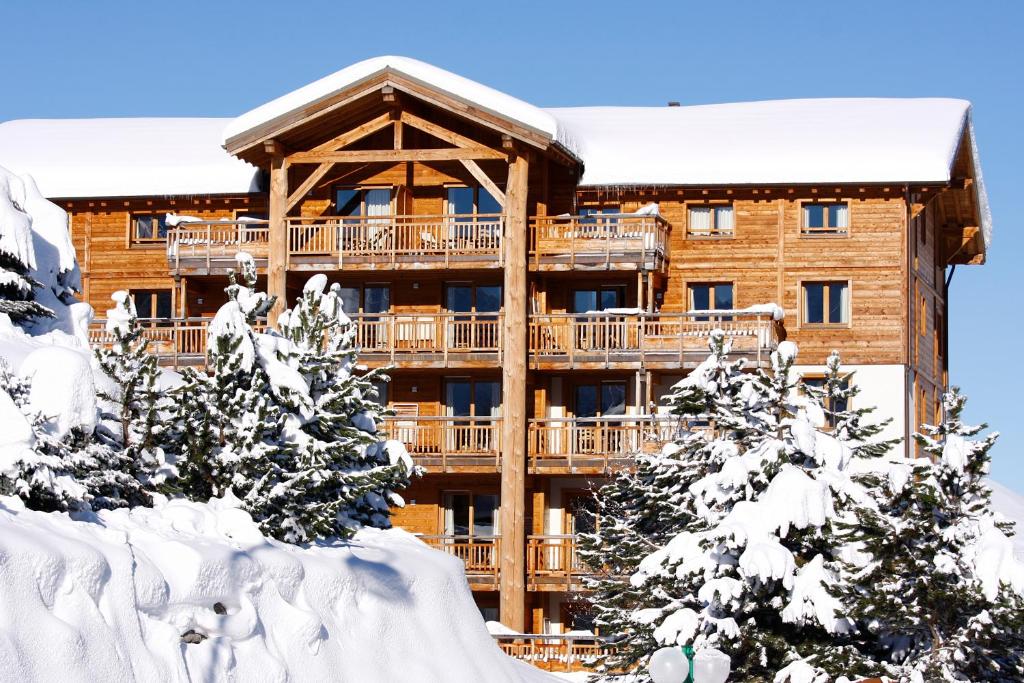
[825,218]
[152,303]
[149,227]
[598,299]
[826,303]
[710,296]
[468,201]
[600,400]
[711,221]
[470,514]
[362,202]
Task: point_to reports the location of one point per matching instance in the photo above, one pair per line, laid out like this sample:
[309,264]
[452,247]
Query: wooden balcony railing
[554,652]
[430,339]
[552,563]
[481,555]
[599,242]
[449,444]
[442,241]
[669,340]
[206,247]
[175,342]
[597,445]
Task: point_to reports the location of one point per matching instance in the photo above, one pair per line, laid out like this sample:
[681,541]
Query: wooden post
[513,429]
[278,255]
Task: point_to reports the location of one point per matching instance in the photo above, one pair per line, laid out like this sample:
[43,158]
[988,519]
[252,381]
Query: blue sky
[82,59]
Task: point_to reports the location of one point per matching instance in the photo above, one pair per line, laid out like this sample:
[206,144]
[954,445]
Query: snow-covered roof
[124,157]
[462,88]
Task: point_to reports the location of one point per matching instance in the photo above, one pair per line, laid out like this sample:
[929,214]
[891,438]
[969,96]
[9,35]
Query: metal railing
[448,441]
[609,337]
[601,241]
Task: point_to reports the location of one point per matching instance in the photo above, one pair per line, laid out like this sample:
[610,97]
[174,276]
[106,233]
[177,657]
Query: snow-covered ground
[1011,505]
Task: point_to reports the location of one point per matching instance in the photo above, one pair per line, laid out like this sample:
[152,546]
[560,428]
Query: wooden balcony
[599,242]
[479,554]
[449,444]
[175,343]
[553,652]
[209,247]
[395,242]
[430,340]
[596,446]
[603,340]
[552,564]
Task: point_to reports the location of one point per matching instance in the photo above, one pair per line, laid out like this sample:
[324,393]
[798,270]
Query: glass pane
[586,400]
[837,303]
[584,300]
[161,225]
[488,298]
[347,202]
[378,202]
[700,297]
[144,304]
[163,304]
[458,298]
[382,392]
[460,200]
[457,514]
[724,218]
[487,397]
[487,203]
[700,219]
[814,216]
[613,398]
[350,300]
[457,397]
[485,508]
[814,303]
[838,215]
[612,298]
[377,299]
[583,514]
[723,297]
[144,227]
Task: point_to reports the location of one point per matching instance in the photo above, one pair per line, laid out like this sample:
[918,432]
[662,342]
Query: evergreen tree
[936,601]
[17,256]
[136,401]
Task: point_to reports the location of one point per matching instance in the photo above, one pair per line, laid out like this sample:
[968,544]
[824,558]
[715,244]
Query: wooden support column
[513,377]
[277,260]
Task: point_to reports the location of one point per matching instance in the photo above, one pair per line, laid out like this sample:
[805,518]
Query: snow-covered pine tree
[642,508]
[750,574]
[17,255]
[135,400]
[349,476]
[940,599]
[73,472]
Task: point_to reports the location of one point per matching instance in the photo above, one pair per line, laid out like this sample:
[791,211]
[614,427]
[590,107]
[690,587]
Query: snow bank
[1010,504]
[190,591]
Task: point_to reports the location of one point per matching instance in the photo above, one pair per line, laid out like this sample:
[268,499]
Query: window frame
[153,294]
[809,377]
[133,228]
[826,231]
[477,189]
[802,294]
[362,190]
[690,306]
[714,233]
[443,508]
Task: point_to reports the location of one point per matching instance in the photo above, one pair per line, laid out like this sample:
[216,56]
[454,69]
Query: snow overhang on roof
[129,157]
[275,116]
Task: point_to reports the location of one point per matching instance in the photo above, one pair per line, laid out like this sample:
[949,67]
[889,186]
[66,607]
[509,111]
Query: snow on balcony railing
[209,243]
[602,241]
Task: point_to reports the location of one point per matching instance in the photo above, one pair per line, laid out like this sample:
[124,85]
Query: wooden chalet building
[538,278]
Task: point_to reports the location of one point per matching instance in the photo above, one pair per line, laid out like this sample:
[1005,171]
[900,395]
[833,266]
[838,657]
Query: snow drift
[193,592]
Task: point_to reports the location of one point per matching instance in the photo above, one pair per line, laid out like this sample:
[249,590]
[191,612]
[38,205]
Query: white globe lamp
[668,665]
[711,666]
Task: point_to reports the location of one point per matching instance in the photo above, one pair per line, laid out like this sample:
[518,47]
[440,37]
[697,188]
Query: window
[711,221]
[710,296]
[831,405]
[826,303]
[152,303]
[149,227]
[820,218]
[600,299]
[470,514]
[355,201]
[469,201]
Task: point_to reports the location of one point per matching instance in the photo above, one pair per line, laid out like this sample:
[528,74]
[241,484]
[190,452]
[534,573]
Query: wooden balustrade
[419,241]
[480,554]
[430,339]
[552,563]
[597,445]
[660,340]
[449,444]
[600,241]
[205,247]
[175,342]
[553,652]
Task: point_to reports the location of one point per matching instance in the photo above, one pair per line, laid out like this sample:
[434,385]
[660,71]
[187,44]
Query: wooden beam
[277,257]
[308,184]
[354,135]
[513,426]
[394,155]
[451,137]
[388,92]
[484,180]
[399,134]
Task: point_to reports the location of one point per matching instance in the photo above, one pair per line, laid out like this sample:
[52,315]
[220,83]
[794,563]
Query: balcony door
[591,403]
[466,398]
[476,324]
[370,301]
[365,214]
[471,214]
[598,299]
[471,525]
